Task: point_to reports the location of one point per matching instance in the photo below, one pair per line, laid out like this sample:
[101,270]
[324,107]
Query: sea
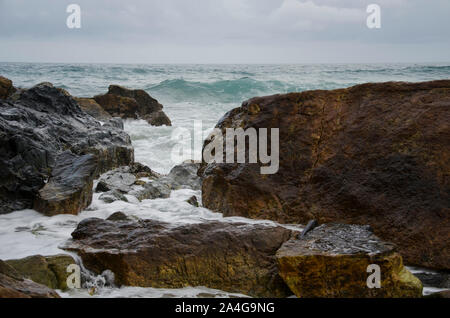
[189,94]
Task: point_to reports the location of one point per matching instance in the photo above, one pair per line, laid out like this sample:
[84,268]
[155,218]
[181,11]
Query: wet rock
[115,122]
[127,103]
[13,285]
[193,201]
[6,87]
[90,106]
[118,179]
[151,190]
[69,189]
[39,124]
[50,271]
[113,196]
[332,261]
[183,176]
[234,257]
[371,154]
[118,216]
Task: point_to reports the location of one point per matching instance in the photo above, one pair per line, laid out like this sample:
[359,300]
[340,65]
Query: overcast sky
[225,31]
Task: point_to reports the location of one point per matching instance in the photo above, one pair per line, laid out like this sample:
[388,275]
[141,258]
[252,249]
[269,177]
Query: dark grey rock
[38,124]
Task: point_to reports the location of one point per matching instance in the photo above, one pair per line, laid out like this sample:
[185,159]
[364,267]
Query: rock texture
[6,88]
[127,103]
[13,285]
[332,261]
[90,106]
[37,125]
[234,257]
[375,154]
[50,271]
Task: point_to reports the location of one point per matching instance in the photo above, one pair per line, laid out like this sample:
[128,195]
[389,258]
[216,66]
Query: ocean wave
[223,90]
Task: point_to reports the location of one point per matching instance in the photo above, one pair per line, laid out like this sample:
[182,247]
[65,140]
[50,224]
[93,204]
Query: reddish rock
[234,257]
[375,154]
[6,87]
[127,103]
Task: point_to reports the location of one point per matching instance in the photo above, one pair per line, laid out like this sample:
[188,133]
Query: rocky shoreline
[368,163]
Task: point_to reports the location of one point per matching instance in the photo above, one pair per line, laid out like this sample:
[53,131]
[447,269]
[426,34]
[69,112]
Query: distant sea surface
[206,92]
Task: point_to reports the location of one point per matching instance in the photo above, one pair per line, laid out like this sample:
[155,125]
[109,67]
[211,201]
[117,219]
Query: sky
[225,31]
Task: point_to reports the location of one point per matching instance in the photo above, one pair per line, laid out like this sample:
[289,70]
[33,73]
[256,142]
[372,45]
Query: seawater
[188,93]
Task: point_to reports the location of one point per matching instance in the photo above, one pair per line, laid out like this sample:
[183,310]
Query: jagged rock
[50,271]
[118,216]
[151,190]
[126,103]
[193,201]
[118,179]
[234,257]
[183,176]
[332,261]
[371,154]
[115,122]
[36,126]
[69,189]
[112,196]
[90,106]
[13,285]
[6,88]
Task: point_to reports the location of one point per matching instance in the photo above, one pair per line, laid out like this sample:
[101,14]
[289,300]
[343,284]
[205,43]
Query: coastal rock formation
[50,271]
[6,87]
[37,125]
[13,285]
[144,184]
[234,257]
[127,103]
[376,154]
[69,189]
[331,261]
[90,106]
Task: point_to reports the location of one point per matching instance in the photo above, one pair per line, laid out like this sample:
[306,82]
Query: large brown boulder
[332,261]
[14,285]
[234,257]
[90,106]
[127,103]
[6,87]
[375,154]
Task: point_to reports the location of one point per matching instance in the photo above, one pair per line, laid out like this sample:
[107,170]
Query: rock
[113,196]
[126,103]
[90,106]
[37,125]
[69,189]
[50,271]
[332,261]
[115,122]
[118,216]
[309,227]
[371,154]
[13,285]
[151,190]
[6,88]
[183,176]
[193,201]
[124,180]
[234,257]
